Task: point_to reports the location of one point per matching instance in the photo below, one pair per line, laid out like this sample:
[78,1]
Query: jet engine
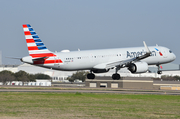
[138,67]
[100,70]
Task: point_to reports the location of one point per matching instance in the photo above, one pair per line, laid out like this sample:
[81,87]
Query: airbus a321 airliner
[135,59]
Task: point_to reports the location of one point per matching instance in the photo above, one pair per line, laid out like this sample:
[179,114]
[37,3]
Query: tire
[90,76]
[116,76]
[159,72]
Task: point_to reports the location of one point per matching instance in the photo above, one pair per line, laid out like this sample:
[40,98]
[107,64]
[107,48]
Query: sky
[89,24]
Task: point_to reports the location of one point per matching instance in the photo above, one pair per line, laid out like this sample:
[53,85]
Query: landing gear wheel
[90,76]
[159,72]
[116,76]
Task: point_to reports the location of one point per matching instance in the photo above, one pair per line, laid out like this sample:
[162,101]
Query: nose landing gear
[159,72]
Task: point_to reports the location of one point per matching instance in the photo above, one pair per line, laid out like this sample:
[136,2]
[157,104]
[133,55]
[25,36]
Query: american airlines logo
[139,53]
[159,52]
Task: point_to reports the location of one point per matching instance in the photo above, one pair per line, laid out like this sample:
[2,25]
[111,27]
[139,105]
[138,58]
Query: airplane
[135,59]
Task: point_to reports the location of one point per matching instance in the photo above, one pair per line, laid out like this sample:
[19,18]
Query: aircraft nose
[174,56]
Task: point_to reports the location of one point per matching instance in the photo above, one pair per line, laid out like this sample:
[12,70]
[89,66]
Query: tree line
[81,75]
[8,76]
[168,78]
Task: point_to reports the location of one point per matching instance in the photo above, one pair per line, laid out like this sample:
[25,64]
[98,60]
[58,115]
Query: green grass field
[86,105]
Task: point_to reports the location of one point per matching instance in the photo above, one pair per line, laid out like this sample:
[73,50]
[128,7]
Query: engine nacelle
[138,67]
[100,70]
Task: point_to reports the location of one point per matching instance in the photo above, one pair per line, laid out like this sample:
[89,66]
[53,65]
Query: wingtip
[146,47]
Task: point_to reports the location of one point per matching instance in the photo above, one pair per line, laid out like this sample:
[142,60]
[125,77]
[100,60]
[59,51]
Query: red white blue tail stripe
[35,46]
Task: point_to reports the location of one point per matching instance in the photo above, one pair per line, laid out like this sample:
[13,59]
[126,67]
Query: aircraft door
[91,57]
[164,54]
[123,55]
[56,61]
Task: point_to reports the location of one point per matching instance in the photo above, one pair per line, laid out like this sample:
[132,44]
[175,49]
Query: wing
[123,63]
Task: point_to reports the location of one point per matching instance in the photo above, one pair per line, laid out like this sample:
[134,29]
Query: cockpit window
[170,51]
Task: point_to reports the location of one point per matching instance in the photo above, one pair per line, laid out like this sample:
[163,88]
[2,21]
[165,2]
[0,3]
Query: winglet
[148,53]
[147,49]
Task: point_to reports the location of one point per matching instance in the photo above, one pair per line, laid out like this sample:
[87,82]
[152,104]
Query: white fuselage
[88,59]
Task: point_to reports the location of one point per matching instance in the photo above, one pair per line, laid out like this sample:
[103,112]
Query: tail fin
[36,47]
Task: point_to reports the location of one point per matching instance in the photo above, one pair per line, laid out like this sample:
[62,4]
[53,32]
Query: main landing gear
[116,76]
[90,76]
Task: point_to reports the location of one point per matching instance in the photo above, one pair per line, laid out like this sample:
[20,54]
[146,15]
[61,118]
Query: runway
[92,90]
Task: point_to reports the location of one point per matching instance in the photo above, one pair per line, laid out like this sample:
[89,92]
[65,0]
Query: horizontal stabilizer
[14,58]
[40,58]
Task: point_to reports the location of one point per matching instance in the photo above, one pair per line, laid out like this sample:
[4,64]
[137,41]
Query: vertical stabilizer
[36,47]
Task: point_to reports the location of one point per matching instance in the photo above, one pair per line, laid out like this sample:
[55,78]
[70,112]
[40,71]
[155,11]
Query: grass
[87,105]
